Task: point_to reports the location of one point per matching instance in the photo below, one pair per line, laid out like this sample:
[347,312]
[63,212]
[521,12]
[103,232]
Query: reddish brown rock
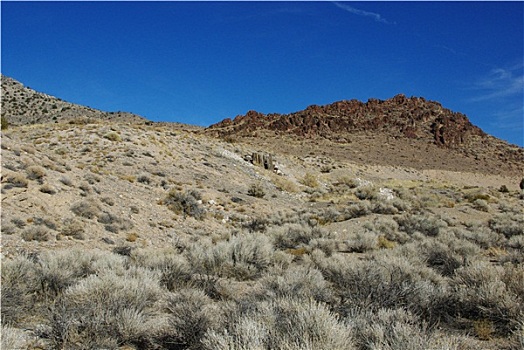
[400,116]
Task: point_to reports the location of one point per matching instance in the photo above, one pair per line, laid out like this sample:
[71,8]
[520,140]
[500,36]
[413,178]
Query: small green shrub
[187,203]
[256,190]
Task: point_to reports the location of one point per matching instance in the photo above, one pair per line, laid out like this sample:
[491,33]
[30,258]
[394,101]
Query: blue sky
[200,62]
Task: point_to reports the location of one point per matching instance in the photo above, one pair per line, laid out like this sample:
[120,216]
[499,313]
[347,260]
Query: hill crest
[22,105]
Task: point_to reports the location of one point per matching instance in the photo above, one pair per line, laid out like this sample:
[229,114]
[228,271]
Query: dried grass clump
[481,205]
[367,193]
[113,136]
[284,184]
[66,181]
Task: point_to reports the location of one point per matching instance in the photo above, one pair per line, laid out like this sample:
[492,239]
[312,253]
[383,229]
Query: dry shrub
[509,224]
[479,292]
[113,223]
[185,203]
[388,329]
[48,189]
[296,235]
[241,257]
[175,271]
[104,310]
[36,233]
[16,180]
[256,190]
[20,283]
[35,172]
[88,209]
[73,228]
[285,323]
[299,281]
[309,180]
[191,314]
[424,223]
[12,338]
[387,281]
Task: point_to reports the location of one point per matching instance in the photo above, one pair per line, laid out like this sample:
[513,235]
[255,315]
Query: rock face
[400,116]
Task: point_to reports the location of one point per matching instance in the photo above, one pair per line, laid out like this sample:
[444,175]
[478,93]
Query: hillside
[400,131]
[22,105]
[128,234]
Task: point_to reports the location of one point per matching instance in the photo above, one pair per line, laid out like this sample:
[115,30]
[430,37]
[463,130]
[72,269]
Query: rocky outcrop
[400,116]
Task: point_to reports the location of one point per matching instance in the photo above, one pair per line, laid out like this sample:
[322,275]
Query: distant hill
[22,105]
[407,131]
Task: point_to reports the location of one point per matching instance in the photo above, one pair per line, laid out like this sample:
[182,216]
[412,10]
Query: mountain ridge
[403,131]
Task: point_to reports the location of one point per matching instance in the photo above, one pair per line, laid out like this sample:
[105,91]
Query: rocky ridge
[400,116]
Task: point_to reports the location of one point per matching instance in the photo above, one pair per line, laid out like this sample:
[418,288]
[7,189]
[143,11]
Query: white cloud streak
[377,17]
[499,83]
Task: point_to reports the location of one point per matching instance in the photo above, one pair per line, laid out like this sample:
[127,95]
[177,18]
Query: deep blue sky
[200,62]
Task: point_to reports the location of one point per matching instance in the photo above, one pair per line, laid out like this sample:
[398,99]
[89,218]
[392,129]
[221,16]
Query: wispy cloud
[376,16]
[499,83]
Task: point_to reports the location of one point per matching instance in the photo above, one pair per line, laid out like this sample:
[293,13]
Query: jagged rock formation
[22,105]
[399,116]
